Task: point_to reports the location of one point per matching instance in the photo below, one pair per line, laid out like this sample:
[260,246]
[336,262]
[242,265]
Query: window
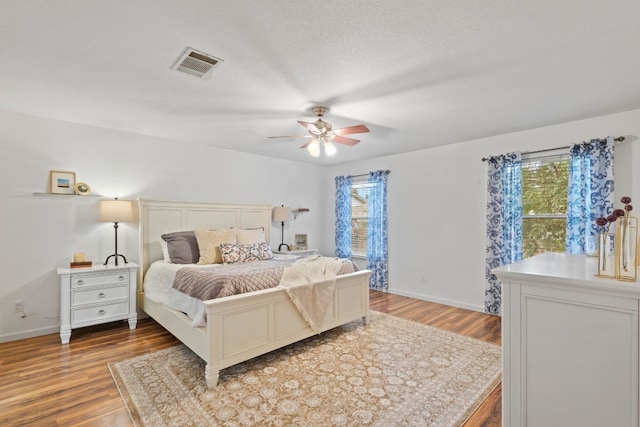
[359,203]
[361,222]
[545,182]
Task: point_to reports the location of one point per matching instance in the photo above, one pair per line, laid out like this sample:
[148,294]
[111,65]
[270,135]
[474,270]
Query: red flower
[606,222]
[601,221]
[627,206]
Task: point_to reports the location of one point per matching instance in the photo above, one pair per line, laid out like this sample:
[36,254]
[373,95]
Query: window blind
[544,185]
[545,181]
[360,189]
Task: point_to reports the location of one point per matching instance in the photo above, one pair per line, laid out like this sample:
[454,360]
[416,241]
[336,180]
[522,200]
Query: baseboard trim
[444,301]
[15,336]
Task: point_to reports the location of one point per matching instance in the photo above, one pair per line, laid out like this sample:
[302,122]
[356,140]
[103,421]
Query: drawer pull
[121,278]
[101,295]
[101,312]
[80,282]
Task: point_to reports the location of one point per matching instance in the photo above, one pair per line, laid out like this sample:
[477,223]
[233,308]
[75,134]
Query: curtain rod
[618,139]
[366,174]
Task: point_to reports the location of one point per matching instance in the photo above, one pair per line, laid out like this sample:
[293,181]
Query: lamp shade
[281,214]
[116,211]
[314,148]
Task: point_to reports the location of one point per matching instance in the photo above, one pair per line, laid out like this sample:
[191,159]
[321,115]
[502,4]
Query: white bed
[244,326]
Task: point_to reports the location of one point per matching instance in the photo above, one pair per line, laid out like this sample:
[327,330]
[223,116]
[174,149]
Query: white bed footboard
[244,326]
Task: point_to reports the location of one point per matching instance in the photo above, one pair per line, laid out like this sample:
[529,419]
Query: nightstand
[98,294]
[298,253]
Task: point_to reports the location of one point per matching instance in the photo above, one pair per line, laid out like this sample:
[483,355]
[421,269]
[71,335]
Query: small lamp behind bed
[116,211]
[282,214]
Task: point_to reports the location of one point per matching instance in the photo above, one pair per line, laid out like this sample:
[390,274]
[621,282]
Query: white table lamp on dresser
[570,344]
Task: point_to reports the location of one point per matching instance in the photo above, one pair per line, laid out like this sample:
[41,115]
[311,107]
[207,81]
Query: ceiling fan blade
[346,141]
[311,127]
[351,129]
[307,144]
[291,136]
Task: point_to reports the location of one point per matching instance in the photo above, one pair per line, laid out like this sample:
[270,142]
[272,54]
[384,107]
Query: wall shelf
[75,195]
[298,211]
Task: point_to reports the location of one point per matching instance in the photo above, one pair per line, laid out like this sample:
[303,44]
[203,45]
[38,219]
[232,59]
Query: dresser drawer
[99,312]
[93,279]
[98,295]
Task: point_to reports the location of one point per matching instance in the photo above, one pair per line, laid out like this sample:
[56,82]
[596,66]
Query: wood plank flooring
[44,383]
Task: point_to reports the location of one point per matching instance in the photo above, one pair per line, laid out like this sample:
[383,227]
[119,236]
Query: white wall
[437,199]
[40,233]
[436,202]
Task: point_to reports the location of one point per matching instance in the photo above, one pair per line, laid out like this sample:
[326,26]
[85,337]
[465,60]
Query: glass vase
[626,248]
[606,255]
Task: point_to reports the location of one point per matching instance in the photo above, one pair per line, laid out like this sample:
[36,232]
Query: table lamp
[116,211]
[282,214]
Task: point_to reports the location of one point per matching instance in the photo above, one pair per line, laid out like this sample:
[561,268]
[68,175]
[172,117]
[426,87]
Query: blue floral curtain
[343,216]
[590,191]
[504,223]
[377,252]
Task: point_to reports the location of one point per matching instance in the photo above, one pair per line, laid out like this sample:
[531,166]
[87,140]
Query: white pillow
[250,236]
[165,251]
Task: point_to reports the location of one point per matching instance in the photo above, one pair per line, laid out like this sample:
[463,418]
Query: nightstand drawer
[83,280]
[98,312]
[99,295]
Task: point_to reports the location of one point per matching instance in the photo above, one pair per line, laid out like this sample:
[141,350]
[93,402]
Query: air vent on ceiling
[196,63]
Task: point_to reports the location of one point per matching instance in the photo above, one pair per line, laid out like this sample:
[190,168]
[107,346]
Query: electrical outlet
[19,307]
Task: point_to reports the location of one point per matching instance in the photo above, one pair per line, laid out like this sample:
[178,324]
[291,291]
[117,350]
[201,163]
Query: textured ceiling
[419,73]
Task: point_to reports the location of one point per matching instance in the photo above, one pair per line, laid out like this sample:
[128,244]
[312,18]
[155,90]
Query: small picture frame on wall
[62,182]
[301,241]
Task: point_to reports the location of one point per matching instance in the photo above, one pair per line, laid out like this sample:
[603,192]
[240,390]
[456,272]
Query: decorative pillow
[249,236]
[232,253]
[209,242]
[182,247]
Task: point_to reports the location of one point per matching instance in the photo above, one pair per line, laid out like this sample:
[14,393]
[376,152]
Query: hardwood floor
[44,383]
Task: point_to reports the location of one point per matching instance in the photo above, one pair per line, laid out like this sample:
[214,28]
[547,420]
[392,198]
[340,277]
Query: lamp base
[281,245]
[115,256]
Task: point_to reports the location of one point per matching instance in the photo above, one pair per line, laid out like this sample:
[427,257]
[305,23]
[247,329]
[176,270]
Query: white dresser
[99,294]
[570,344]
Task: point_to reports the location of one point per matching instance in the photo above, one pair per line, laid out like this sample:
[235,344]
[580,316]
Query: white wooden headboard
[158,217]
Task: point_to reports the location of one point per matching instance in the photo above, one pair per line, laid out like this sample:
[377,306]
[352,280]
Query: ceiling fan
[323,135]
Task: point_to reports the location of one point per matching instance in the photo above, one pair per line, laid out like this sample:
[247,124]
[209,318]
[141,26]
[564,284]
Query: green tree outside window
[545,184]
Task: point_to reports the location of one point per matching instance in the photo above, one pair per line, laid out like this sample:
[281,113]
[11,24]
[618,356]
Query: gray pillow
[182,247]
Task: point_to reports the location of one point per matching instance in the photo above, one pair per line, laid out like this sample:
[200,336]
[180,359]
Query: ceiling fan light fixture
[329,148]
[323,136]
[314,148]
[323,126]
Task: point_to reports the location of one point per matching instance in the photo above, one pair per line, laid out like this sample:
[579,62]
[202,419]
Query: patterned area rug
[391,372]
